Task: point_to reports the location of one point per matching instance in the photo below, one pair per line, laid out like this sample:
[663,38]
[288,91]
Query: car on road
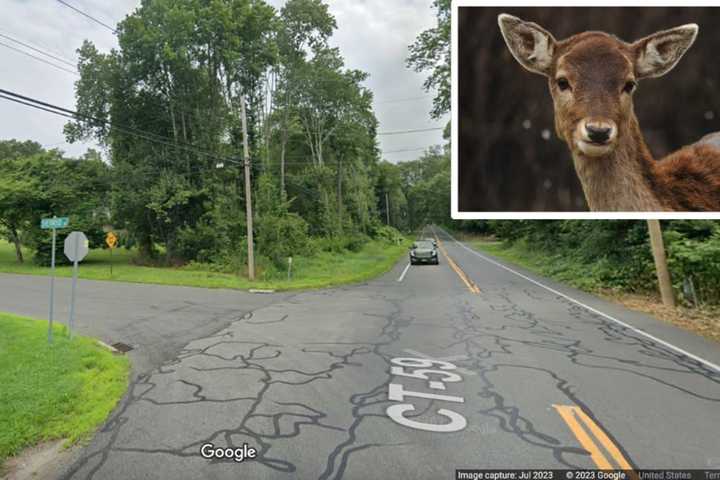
[423,251]
[431,240]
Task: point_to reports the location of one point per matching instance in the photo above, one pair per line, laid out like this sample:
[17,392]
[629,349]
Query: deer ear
[658,53]
[530,44]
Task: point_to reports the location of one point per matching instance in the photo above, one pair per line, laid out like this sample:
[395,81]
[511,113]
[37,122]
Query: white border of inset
[456,214]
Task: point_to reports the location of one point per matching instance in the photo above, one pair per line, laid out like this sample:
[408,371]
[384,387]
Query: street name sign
[57,222]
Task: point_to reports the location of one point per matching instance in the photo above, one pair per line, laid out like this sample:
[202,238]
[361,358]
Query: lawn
[63,390]
[322,270]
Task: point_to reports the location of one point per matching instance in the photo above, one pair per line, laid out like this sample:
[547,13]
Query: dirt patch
[40,461]
[704,321]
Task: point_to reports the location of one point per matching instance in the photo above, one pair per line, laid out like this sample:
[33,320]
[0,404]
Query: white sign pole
[52,287]
[76,248]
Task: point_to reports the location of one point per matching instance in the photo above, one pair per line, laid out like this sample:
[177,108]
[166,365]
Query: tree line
[166,107]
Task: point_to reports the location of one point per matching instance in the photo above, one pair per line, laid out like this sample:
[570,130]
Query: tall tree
[431,53]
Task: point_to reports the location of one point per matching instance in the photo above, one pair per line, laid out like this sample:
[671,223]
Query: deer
[593,77]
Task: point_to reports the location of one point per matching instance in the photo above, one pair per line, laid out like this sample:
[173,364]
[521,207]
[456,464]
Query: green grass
[558,267]
[63,390]
[321,270]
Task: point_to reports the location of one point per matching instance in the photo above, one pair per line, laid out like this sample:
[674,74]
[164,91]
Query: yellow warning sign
[111,240]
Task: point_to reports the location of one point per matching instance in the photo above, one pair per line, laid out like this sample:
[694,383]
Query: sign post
[52,224]
[111,241]
[76,248]
[289,268]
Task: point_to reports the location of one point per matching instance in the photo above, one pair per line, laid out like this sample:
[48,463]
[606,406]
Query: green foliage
[35,184]
[694,253]
[63,390]
[616,254]
[181,73]
[431,52]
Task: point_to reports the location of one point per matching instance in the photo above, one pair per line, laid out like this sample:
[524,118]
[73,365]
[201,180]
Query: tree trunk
[282,164]
[18,247]
[339,193]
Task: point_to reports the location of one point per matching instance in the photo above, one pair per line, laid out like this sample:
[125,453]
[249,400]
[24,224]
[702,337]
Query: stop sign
[76,246]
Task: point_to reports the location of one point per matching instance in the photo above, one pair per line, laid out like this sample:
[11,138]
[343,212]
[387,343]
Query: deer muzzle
[596,137]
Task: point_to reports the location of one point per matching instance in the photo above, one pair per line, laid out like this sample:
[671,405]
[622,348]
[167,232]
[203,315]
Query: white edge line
[587,307]
[402,276]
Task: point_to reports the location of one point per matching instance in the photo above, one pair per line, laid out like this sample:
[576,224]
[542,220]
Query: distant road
[492,367]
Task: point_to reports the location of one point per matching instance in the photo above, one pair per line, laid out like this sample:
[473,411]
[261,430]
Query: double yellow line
[466,280]
[585,429]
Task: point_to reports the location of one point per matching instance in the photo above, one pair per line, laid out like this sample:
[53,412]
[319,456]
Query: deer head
[593,76]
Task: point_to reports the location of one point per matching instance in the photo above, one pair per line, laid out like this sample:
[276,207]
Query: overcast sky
[373,36]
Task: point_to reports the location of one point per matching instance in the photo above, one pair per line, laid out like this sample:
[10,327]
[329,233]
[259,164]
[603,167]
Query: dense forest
[167,107]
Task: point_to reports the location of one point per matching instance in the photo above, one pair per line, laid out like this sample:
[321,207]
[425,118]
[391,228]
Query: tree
[431,53]
[19,193]
[35,183]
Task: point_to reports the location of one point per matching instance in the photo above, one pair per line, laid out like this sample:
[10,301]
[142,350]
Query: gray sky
[373,36]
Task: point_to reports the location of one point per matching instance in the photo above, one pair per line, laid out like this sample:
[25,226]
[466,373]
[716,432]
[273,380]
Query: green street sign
[56,222]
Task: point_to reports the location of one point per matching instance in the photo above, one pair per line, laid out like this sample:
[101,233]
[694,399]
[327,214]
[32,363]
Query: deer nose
[598,132]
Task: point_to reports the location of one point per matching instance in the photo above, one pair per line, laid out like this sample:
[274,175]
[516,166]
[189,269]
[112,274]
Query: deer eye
[629,86]
[563,84]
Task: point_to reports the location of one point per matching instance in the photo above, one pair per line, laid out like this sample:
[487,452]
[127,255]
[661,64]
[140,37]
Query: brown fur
[627,178]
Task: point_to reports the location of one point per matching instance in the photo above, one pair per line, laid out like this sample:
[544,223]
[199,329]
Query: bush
[41,240]
[283,236]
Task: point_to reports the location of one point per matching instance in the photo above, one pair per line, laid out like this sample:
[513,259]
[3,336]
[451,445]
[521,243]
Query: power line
[398,100]
[407,150]
[48,107]
[403,132]
[35,106]
[89,16]
[59,59]
[39,59]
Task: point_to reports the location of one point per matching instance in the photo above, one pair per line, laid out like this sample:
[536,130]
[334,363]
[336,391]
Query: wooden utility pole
[248,193]
[387,208]
[661,268]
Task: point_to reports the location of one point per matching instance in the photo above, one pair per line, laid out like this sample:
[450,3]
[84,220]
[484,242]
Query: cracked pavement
[304,379]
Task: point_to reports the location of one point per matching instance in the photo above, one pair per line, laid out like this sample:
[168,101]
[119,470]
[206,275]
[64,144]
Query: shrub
[283,236]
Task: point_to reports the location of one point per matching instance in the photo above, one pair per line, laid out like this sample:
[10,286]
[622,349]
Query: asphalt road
[492,367]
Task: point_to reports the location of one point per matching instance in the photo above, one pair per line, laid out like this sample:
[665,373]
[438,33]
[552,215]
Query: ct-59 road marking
[591,309]
[468,283]
[425,370]
[573,416]
[443,359]
[404,272]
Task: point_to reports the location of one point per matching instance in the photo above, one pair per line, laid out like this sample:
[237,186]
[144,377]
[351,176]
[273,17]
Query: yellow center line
[573,417]
[468,282]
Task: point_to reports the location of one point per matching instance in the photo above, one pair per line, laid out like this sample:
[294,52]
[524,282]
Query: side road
[157,321]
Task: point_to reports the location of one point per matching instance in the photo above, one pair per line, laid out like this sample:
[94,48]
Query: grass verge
[702,321]
[63,390]
[322,270]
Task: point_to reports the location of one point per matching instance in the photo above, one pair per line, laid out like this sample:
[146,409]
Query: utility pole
[248,193]
[387,208]
[661,268]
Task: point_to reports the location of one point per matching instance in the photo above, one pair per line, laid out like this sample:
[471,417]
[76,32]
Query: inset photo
[585,112]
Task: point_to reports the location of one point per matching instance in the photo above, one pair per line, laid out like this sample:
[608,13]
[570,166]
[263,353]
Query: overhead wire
[87,15]
[38,50]
[39,59]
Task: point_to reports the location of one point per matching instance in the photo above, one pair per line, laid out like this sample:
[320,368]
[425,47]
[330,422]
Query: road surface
[469,364]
